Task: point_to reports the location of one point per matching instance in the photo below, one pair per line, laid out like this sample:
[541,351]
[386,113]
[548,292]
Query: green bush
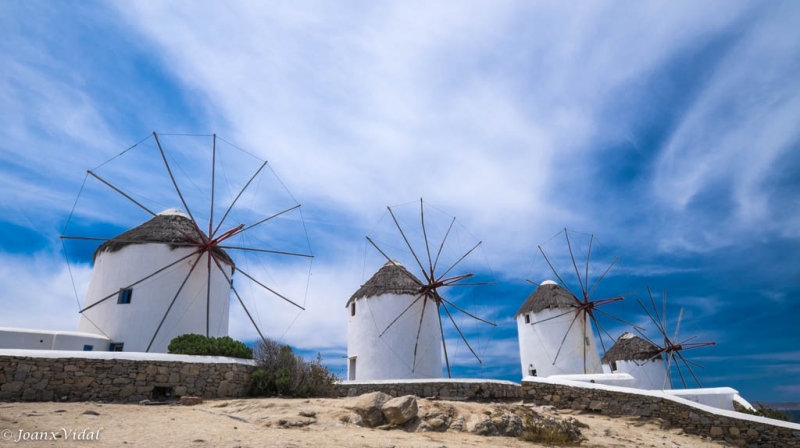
[283,373]
[551,432]
[764,411]
[195,344]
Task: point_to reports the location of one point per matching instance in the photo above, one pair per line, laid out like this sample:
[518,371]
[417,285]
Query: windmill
[672,347]
[555,325]
[169,275]
[407,309]
[638,358]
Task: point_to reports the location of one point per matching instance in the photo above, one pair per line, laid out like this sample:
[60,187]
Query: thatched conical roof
[547,296]
[169,227]
[392,278]
[630,347]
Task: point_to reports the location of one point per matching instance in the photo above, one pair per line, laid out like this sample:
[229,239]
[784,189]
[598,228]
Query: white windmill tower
[640,359]
[375,354]
[554,337]
[395,326]
[173,274]
[139,294]
[556,328]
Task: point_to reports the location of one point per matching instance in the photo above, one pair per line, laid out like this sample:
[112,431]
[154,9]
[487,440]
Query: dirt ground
[257,423]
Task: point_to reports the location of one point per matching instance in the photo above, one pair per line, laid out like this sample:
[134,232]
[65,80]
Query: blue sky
[668,130]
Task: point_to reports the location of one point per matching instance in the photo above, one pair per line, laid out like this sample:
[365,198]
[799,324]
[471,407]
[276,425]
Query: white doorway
[351,370]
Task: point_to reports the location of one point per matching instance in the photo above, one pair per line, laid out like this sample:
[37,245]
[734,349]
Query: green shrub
[283,373]
[551,432]
[195,344]
[764,411]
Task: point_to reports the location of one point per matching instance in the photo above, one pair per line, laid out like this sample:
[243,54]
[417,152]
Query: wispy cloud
[668,132]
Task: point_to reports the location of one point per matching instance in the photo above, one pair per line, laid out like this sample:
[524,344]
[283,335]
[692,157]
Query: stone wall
[746,430]
[451,389]
[24,378]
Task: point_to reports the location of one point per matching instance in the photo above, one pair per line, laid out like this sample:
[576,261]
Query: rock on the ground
[436,423]
[499,424]
[481,425]
[356,420]
[458,424]
[508,424]
[190,401]
[368,406]
[400,410]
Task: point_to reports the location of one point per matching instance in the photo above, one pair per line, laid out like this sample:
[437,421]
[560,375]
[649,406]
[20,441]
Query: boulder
[481,425]
[400,410]
[511,425]
[459,423]
[368,406]
[437,424]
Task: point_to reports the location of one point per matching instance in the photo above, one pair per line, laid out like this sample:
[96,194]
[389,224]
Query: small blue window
[125,296]
[88,348]
[116,347]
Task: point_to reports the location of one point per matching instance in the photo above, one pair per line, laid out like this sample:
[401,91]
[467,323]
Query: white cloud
[736,130]
[499,114]
[38,292]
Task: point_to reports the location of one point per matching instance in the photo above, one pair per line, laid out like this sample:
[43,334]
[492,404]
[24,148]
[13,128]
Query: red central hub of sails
[429,290]
[208,244]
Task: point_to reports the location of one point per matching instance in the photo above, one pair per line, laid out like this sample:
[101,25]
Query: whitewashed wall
[650,375]
[538,344]
[717,397]
[391,356]
[28,339]
[134,324]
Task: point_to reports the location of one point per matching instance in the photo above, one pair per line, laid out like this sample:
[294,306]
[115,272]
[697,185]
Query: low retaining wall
[452,389]
[733,427]
[108,376]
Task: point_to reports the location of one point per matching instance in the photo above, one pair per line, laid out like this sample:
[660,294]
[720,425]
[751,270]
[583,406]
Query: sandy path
[255,423]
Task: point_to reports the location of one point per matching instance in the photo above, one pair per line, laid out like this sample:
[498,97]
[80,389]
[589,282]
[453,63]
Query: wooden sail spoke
[574,264]
[241,302]
[139,281]
[419,330]
[441,246]
[553,317]
[268,218]
[177,189]
[120,192]
[469,314]
[408,274]
[268,288]
[403,234]
[230,207]
[401,314]
[460,260]
[597,283]
[464,338]
[444,345]
[558,276]
[266,251]
[564,340]
[177,293]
